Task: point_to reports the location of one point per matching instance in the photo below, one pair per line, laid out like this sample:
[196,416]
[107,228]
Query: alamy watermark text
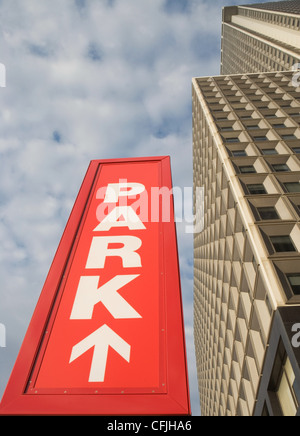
[296,336]
[130,204]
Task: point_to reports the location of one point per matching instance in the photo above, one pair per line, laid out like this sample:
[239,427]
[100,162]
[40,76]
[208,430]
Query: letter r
[100,250]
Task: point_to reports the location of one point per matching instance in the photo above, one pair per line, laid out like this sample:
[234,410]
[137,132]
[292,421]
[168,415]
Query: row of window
[249,169]
[263,104]
[242,52]
[259,188]
[236,139]
[246,114]
[252,126]
[268,17]
[264,151]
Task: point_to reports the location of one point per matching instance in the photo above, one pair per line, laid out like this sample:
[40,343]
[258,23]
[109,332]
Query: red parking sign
[107,336]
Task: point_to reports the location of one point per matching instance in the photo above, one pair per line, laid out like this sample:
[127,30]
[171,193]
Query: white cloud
[95,82]
[89,79]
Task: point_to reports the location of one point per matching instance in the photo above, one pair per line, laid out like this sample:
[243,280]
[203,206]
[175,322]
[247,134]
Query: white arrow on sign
[101,339]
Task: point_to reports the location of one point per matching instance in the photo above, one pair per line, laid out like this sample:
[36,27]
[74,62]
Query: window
[231,140]
[279,126]
[288,137]
[282,244]
[294,280]
[260,138]
[292,186]
[268,213]
[226,129]
[238,153]
[247,169]
[280,167]
[296,150]
[287,390]
[257,189]
[269,151]
[283,383]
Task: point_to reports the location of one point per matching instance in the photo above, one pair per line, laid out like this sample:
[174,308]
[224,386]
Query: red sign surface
[107,335]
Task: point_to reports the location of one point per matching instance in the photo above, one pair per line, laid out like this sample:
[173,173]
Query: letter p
[123,189]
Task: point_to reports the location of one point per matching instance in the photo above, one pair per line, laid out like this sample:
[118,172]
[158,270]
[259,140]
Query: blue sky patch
[177,6]
[56,136]
[94,52]
[40,51]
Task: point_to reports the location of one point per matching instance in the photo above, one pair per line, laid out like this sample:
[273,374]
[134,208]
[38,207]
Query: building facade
[261,37]
[246,148]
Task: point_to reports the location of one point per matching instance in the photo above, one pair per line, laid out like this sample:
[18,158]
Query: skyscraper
[260,37]
[246,150]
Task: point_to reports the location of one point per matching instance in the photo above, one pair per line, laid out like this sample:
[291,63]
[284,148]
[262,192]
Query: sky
[90,79]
